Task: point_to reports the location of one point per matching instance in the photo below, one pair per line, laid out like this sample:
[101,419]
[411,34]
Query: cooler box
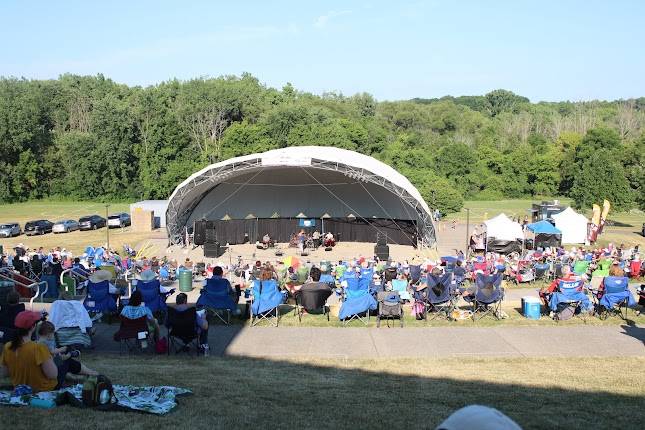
[531,307]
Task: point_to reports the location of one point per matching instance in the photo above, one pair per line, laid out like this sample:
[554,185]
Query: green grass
[538,393]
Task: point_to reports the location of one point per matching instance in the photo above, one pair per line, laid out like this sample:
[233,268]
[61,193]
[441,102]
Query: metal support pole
[467,232]
[107,227]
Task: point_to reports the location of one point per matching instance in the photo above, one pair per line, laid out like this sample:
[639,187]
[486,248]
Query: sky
[543,49]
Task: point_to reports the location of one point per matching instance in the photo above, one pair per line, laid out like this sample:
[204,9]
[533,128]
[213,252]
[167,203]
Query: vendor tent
[573,226]
[545,234]
[502,227]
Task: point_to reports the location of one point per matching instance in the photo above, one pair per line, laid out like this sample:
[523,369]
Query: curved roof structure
[303,181]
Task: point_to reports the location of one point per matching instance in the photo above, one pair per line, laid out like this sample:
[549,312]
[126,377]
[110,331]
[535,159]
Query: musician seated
[267,241]
[316,239]
[329,240]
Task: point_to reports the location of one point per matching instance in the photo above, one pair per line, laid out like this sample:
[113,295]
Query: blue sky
[545,50]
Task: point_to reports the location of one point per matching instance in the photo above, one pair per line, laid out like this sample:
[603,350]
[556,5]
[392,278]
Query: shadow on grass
[632,330]
[245,393]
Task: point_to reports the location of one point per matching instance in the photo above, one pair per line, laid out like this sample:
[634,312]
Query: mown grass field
[538,393]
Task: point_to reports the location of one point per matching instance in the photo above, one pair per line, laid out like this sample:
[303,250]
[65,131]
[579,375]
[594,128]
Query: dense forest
[87,137]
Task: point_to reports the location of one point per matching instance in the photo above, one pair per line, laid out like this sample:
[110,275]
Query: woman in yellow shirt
[28,362]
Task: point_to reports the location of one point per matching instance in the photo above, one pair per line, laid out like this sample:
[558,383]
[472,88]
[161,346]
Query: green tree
[601,177]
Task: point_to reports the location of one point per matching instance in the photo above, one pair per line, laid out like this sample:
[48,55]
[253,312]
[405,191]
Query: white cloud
[322,20]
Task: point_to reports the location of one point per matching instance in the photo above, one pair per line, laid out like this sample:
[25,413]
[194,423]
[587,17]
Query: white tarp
[573,226]
[502,227]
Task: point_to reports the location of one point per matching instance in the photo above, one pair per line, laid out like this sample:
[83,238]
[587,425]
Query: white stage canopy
[502,227]
[298,182]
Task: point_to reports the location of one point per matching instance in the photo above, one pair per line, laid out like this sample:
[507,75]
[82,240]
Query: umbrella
[292,261]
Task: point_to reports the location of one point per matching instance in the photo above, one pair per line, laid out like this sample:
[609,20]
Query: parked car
[40,226]
[119,220]
[65,226]
[10,229]
[91,222]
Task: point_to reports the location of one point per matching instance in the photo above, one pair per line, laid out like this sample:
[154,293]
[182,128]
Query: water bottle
[37,402]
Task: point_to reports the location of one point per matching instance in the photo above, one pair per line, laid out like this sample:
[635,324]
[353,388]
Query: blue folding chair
[154,299]
[488,296]
[99,299]
[569,300]
[440,299]
[614,297]
[216,299]
[326,278]
[266,301]
[401,287]
[357,301]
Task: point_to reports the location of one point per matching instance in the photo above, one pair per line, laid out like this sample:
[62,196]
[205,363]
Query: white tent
[572,224]
[503,228]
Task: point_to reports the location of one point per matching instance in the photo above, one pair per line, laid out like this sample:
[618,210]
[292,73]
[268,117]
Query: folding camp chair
[182,330]
[569,300]
[265,302]
[541,271]
[99,299]
[133,334]
[215,298]
[580,267]
[153,298]
[389,308]
[357,301]
[439,300]
[488,296]
[613,297]
[328,279]
[312,301]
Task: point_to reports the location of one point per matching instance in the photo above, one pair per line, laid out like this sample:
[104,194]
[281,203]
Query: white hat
[146,275]
[100,276]
[477,417]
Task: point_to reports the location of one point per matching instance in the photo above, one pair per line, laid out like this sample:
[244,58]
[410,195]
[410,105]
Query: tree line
[89,138]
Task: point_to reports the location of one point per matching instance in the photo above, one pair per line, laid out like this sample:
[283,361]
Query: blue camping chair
[488,297]
[569,300]
[152,297]
[541,270]
[52,286]
[266,301]
[99,298]
[440,298]
[357,301]
[415,273]
[614,297]
[89,251]
[326,278]
[215,297]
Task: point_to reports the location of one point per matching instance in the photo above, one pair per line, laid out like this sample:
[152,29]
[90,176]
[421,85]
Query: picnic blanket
[152,400]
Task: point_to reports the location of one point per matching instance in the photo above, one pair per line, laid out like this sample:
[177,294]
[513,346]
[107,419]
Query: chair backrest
[615,284]
[217,286]
[327,279]
[415,272]
[367,272]
[488,287]
[569,287]
[541,268]
[438,288]
[266,295]
[151,295]
[130,328]
[400,285]
[182,323]
[580,267]
[480,266]
[604,264]
[355,288]
[98,291]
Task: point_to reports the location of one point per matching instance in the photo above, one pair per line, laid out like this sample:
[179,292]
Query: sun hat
[27,319]
[478,417]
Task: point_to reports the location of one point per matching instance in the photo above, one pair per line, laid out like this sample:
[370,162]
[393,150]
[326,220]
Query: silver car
[65,226]
[10,229]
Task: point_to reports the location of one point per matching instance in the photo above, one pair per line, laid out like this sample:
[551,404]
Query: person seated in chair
[9,311]
[329,240]
[202,323]
[267,242]
[546,292]
[314,283]
[218,274]
[316,238]
[135,309]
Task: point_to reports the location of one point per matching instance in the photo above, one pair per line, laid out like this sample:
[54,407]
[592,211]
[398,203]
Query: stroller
[389,308]
[524,272]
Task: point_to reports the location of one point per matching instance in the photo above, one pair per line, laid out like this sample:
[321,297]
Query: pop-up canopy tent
[503,235]
[573,226]
[545,234]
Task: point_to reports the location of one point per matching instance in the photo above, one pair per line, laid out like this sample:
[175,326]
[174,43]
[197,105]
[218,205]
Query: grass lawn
[75,241]
[538,393]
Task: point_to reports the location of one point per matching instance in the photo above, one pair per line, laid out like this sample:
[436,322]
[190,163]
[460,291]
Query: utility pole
[107,227]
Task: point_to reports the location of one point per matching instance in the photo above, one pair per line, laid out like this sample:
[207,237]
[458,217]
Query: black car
[40,226]
[91,222]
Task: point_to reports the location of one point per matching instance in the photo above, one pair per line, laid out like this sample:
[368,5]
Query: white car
[65,226]
[119,220]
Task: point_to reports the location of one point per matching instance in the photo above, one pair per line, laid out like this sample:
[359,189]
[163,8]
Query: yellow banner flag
[605,210]
[595,218]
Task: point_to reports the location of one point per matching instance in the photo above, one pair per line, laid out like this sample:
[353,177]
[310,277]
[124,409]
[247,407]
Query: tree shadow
[632,330]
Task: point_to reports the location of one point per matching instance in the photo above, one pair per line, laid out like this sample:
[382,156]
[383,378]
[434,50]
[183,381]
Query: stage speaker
[381,239]
[199,233]
[382,252]
[213,250]
[211,236]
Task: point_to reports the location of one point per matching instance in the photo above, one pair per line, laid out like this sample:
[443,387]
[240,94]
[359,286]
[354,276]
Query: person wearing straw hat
[103,275]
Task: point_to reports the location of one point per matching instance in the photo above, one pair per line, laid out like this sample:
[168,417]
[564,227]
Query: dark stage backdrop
[401,232]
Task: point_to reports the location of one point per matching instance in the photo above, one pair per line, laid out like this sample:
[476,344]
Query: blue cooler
[531,307]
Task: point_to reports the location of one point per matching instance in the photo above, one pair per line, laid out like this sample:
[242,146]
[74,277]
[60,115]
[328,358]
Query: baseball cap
[478,417]
[26,319]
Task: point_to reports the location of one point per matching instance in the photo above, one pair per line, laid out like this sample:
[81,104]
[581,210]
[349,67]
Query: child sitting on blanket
[64,356]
